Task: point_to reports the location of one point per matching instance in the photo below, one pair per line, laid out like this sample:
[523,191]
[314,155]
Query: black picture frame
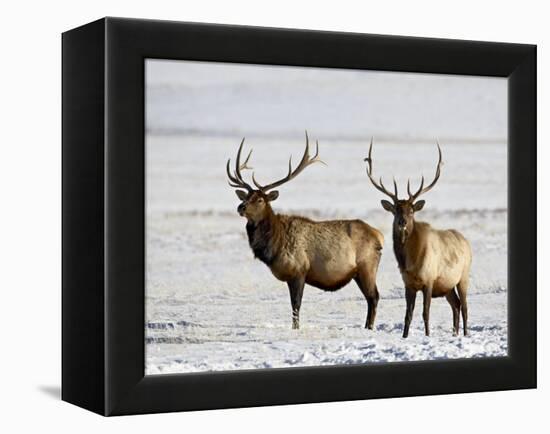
[104,224]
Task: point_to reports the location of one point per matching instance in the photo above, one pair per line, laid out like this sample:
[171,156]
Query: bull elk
[326,254]
[430,260]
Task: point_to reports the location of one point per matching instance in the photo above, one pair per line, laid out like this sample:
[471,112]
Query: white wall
[30,214]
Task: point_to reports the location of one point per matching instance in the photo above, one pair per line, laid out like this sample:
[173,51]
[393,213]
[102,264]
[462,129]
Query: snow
[211,306]
[209,98]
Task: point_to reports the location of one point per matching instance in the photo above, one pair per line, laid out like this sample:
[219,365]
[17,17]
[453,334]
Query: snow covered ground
[211,306]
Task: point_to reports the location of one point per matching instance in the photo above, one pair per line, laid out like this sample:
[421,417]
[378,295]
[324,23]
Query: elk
[430,260]
[297,250]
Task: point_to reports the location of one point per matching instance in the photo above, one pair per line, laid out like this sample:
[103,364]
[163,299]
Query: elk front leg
[410,296]
[426,311]
[296,289]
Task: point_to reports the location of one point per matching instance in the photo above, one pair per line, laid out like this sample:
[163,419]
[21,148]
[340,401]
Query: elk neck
[266,237]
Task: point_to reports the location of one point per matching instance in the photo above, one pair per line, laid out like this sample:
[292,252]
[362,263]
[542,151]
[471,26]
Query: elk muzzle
[241,209]
[403,232]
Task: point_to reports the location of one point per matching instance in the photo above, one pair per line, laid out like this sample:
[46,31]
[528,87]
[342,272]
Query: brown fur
[327,254]
[432,261]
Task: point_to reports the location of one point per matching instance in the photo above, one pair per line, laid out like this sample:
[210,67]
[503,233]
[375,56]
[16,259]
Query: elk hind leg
[367,284]
[462,289]
[296,290]
[454,301]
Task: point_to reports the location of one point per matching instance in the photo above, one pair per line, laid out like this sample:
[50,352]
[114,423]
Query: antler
[306,161]
[379,186]
[421,190]
[236,179]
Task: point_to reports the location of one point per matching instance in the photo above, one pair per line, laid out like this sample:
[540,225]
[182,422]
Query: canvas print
[314,216]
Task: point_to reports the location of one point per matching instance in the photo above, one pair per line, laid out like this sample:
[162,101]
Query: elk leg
[296,289]
[410,296]
[462,288]
[426,311]
[372,302]
[454,301]
[370,291]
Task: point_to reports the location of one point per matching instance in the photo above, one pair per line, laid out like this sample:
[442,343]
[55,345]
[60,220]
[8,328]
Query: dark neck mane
[265,237]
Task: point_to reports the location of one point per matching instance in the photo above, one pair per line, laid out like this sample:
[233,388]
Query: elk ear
[272,195]
[388,206]
[241,194]
[419,205]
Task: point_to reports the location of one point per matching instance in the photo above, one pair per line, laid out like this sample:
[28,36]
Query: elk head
[255,201]
[403,209]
